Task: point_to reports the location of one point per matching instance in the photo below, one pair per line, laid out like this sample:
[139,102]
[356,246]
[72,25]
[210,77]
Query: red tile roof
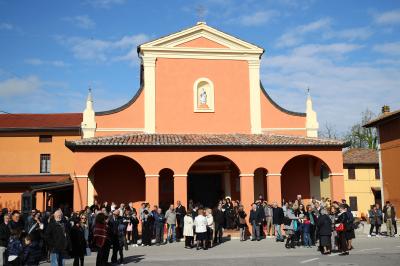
[40,121]
[204,140]
[383,118]
[40,178]
[360,156]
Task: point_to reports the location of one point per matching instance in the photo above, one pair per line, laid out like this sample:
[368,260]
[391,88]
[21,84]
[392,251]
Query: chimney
[385,109]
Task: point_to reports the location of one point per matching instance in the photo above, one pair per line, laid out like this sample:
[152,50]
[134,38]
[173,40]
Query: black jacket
[180,214]
[219,217]
[57,237]
[78,241]
[277,215]
[256,216]
[4,234]
[324,225]
[32,254]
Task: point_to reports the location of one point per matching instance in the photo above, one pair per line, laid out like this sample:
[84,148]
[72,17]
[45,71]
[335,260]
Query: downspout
[380,165]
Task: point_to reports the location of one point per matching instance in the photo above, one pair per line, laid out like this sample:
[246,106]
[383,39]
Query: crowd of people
[108,228]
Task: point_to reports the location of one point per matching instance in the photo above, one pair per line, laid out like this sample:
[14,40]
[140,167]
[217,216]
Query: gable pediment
[202,38]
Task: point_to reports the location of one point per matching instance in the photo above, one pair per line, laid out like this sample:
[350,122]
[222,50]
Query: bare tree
[329,131]
[361,137]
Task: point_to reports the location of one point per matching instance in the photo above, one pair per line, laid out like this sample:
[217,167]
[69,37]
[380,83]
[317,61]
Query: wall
[20,155]
[390,152]
[272,117]
[361,187]
[132,118]
[174,96]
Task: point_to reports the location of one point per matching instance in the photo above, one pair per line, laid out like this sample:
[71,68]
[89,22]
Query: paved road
[368,251]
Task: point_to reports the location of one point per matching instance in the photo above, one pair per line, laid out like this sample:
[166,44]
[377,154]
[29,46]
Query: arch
[307,175]
[218,175]
[260,183]
[166,188]
[119,179]
[203,85]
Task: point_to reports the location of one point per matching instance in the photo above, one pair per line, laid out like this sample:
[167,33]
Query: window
[353,203]
[352,173]
[44,163]
[377,173]
[45,138]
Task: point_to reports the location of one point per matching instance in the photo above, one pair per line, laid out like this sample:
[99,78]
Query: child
[188,229]
[14,248]
[32,252]
[306,231]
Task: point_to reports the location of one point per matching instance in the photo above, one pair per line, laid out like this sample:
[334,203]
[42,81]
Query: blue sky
[346,52]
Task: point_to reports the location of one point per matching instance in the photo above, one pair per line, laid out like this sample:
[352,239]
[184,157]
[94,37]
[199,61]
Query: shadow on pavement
[134,259]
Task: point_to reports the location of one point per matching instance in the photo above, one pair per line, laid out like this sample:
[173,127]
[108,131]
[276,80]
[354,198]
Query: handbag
[339,227]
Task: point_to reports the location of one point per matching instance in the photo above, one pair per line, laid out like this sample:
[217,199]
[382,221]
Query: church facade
[202,127]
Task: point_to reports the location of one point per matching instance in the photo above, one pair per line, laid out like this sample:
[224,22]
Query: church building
[202,127]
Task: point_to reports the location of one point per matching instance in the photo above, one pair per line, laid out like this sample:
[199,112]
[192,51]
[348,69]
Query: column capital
[336,174]
[157,175]
[149,61]
[254,63]
[180,175]
[81,176]
[248,175]
[273,174]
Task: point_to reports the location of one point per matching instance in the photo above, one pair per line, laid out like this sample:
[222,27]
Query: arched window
[203,92]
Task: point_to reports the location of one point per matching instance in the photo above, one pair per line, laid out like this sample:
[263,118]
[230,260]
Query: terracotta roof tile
[189,140]
[382,118]
[360,156]
[40,121]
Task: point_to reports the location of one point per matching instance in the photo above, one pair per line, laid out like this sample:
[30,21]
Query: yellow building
[33,158]
[362,183]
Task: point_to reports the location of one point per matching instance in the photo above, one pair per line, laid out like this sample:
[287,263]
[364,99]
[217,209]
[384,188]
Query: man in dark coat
[114,226]
[277,221]
[389,218]
[219,220]
[180,215]
[256,220]
[57,239]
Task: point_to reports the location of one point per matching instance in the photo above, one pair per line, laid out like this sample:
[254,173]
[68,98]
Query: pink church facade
[202,127]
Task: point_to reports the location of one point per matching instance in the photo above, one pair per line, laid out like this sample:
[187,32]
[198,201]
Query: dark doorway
[205,189]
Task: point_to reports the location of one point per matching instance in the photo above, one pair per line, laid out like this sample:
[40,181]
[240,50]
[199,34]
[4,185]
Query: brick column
[274,188]
[247,191]
[152,189]
[337,186]
[180,189]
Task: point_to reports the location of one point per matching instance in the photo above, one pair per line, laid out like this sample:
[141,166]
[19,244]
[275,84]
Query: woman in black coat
[342,219]
[78,243]
[325,231]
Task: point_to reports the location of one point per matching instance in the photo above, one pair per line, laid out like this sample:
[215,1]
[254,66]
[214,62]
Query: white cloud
[40,62]
[103,50]
[83,21]
[258,18]
[341,90]
[6,26]
[388,18]
[104,3]
[296,35]
[17,86]
[352,34]
[392,48]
